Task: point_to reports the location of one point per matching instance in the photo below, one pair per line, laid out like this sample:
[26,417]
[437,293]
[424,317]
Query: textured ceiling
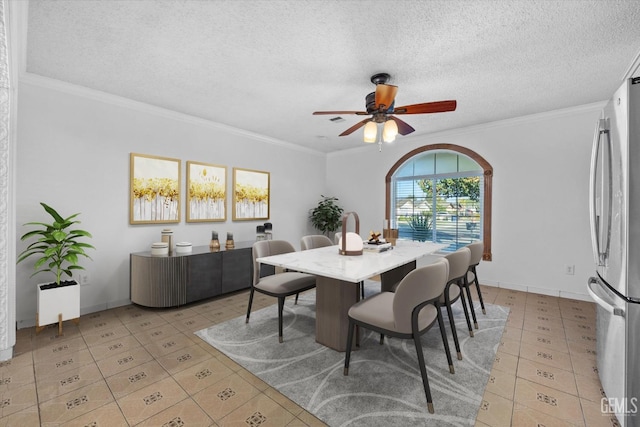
[265,66]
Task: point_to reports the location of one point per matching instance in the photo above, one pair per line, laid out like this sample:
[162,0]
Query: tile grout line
[235,302]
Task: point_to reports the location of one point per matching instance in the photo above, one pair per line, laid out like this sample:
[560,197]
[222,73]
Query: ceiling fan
[381,106]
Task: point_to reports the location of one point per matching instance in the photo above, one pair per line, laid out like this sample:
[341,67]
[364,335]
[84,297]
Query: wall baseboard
[116,304]
[513,286]
[536,290]
[571,295]
[31,322]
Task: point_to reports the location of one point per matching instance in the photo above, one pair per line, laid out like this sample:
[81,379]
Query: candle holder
[167,237]
[391,235]
[229,244]
[268,230]
[260,234]
[214,244]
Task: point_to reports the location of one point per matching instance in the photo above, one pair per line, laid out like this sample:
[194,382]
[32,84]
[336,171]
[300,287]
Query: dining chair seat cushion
[285,283]
[454,293]
[378,311]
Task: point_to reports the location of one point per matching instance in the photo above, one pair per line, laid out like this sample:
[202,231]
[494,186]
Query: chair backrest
[476,249]
[315,241]
[265,248]
[336,237]
[420,285]
[458,263]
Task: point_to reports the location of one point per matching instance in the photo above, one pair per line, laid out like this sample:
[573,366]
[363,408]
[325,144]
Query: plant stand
[60,320]
[56,305]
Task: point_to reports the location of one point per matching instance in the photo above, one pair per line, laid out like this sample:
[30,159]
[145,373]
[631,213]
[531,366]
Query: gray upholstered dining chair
[407,313]
[279,285]
[336,237]
[315,241]
[458,266]
[319,241]
[476,249]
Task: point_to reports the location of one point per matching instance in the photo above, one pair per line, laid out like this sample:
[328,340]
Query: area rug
[384,386]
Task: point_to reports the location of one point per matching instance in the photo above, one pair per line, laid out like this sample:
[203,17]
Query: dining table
[338,278]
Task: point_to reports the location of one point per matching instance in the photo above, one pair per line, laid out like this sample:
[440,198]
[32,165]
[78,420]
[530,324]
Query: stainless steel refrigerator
[615,235]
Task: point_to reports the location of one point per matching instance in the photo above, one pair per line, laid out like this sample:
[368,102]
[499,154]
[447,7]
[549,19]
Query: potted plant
[327,216]
[58,249]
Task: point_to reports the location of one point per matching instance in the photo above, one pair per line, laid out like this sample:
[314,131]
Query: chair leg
[296,301]
[475,279]
[381,339]
[249,306]
[362,290]
[445,341]
[473,311]
[466,311]
[347,354]
[280,310]
[452,322]
[423,369]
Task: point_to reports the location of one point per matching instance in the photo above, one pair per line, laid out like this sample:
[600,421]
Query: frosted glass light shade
[353,245]
[390,131]
[370,132]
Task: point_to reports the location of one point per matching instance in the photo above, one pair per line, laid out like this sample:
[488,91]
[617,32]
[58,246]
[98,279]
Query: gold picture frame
[154,189]
[206,192]
[251,194]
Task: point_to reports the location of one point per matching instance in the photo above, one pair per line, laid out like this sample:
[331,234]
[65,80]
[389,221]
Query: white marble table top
[328,262]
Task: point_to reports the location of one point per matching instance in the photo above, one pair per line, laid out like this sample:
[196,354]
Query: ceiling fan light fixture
[370,132]
[384,125]
[390,131]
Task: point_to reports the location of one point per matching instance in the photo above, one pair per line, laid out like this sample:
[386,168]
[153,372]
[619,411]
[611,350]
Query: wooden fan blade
[385,94]
[427,107]
[354,127]
[403,127]
[360,113]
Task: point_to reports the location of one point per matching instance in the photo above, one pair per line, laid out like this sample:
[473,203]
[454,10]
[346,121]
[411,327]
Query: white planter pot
[52,302]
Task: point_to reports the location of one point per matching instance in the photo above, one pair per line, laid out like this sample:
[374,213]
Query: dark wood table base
[335,297]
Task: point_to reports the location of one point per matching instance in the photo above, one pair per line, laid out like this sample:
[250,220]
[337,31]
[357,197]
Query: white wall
[540,194]
[73,154]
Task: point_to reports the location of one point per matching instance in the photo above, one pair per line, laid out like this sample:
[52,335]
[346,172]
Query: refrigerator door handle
[616,311]
[600,249]
[593,214]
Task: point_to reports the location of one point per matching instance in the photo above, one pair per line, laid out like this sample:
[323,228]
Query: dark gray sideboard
[178,279]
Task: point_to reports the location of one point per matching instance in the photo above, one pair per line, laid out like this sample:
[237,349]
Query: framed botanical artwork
[154,189]
[206,192]
[250,194]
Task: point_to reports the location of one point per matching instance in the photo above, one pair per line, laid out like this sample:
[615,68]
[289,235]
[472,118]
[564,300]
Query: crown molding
[99,96]
[634,68]
[22,14]
[119,101]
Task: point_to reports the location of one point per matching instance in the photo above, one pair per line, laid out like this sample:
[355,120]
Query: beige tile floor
[134,366]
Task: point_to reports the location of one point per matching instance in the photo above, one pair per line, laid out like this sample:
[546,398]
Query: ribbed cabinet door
[158,281]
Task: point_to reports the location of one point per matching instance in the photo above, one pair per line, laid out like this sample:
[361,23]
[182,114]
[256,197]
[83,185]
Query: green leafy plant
[327,216]
[57,245]
[421,224]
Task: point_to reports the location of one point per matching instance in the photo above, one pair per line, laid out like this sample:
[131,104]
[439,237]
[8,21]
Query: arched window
[441,193]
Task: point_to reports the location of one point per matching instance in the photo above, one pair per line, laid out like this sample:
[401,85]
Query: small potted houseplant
[327,216]
[58,250]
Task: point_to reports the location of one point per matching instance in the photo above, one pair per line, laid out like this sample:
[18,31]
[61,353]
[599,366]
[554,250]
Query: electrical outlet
[569,269]
[84,279]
